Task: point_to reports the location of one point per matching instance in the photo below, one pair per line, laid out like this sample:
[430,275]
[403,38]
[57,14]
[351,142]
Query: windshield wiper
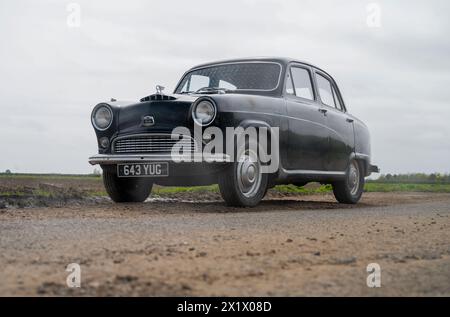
[207,89]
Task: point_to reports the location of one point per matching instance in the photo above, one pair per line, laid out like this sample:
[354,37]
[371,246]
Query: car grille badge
[148,121]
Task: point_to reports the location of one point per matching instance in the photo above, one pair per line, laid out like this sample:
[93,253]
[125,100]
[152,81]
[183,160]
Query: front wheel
[126,189]
[349,190]
[243,183]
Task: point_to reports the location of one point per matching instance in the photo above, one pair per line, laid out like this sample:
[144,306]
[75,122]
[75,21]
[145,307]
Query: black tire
[123,190]
[346,191]
[231,191]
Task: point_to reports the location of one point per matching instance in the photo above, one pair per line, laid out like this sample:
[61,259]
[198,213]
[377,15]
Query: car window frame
[333,87]
[289,75]
[337,101]
[339,96]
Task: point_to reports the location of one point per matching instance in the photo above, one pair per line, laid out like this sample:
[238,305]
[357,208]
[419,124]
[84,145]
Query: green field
[369,187]
[54,177]
[402,187]
[91,185]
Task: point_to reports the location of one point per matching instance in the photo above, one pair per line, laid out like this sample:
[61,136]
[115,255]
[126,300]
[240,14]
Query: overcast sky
[395,77]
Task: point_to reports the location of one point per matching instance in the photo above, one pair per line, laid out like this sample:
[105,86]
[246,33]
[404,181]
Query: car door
[340,124]
[308,135]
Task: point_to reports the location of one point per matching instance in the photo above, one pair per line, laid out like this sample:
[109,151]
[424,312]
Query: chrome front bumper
[111,159]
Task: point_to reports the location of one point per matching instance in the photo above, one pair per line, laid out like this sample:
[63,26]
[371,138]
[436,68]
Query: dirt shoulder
[103,207]
[17,192]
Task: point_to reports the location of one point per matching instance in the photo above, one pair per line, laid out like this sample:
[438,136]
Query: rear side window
[302,83]
[325,90]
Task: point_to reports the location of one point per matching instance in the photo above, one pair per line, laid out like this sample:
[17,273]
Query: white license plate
[157,169]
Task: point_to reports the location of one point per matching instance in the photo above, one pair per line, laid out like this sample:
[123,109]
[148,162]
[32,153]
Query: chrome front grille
[152,143]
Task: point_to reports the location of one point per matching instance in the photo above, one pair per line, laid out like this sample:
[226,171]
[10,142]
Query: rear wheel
[243,184]
[349,190]
[126,189]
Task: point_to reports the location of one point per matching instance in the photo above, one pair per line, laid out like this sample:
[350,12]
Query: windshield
[238,76]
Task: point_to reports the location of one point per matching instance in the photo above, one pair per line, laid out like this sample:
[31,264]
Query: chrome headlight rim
[94,112]
[194,108]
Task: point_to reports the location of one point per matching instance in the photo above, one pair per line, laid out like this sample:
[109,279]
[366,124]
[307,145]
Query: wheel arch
[263,124]
[363,159]
[257,124]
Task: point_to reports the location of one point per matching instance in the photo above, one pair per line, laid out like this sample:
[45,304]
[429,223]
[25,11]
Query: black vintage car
[317,139]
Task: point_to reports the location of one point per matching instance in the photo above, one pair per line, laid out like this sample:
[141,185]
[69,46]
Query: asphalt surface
[278,249]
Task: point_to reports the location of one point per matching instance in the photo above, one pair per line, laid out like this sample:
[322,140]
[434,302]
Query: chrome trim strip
[362,155]
[313,172]
[108,159]
[125,136]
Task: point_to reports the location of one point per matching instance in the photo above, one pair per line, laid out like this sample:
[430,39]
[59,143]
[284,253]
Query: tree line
[422,178]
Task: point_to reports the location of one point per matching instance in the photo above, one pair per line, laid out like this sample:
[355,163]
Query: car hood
[168,112]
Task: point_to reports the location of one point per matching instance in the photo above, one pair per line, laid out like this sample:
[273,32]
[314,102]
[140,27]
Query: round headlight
[102,117]
[204,112]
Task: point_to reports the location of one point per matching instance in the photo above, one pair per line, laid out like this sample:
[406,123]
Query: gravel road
[284,247]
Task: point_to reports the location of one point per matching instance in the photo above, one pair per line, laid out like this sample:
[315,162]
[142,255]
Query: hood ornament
[159,90]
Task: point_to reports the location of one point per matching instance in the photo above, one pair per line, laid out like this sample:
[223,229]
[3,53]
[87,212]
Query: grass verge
[91,185]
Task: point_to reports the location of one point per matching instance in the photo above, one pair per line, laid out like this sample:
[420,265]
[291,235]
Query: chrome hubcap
[353,178]
[248,173]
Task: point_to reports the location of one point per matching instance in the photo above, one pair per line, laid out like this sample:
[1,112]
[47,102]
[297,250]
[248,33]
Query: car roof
[281,60]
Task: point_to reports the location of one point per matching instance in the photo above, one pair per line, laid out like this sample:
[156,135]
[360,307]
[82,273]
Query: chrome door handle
[323,110]
[350,120]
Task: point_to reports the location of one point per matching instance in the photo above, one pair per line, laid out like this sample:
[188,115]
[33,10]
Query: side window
[302,83]
[325,90]
[336,99]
